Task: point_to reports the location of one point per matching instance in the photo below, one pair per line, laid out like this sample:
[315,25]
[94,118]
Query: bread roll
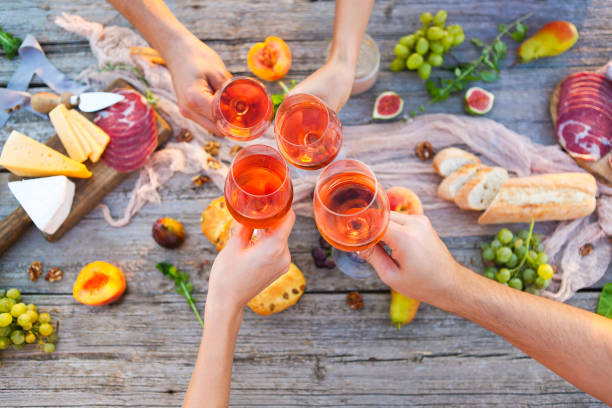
[545,197]
[478,192]
[451,159]
[449,186]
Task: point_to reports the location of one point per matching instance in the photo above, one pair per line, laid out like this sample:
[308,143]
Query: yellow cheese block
[95,150]
[59,118]
[26,157]
[93,130]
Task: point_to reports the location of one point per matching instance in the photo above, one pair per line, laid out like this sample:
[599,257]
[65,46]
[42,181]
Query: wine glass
[351,210]
[243,109]
[307,132]
[258,190]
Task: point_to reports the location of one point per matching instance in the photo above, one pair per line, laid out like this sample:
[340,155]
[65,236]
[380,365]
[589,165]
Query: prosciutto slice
[584,122]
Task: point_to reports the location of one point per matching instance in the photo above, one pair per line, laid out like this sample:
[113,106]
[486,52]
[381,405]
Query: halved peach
[99,283]
[270,60]
[404,200]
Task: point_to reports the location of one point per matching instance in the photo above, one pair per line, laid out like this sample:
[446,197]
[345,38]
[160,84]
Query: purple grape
[320,263]
[330,263]
[318,254]
[323,243]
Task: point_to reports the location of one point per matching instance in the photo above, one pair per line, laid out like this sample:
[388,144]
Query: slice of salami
[127,114]
[132,152]
[145,134]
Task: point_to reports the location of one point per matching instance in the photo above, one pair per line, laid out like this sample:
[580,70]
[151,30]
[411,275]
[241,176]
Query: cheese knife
[44,102]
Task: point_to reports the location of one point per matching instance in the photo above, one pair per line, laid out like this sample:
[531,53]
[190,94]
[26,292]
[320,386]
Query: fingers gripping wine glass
[307,132]
[243,109]
[258,190]
[352,213]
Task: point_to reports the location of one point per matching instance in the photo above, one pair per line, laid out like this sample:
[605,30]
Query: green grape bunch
[517,261]
[22,324]
[425,48]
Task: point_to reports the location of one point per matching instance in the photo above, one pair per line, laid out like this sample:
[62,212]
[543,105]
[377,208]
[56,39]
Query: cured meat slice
[582,88]
[585,75]
[585,133]
[132,129]
[594,111]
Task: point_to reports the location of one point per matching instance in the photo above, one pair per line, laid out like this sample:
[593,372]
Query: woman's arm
[574,343]
[196,69]
[334,80]
[240,271]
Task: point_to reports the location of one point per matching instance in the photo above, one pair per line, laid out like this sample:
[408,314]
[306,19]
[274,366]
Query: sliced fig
[388,105]
[478,101]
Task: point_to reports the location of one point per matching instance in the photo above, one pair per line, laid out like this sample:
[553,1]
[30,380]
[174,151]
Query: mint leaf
[604,307]
[520,32]
[501,28]
[500,48]
[489,76]
[9,43]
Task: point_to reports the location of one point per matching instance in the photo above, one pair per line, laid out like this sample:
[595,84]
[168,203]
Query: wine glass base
[352,265]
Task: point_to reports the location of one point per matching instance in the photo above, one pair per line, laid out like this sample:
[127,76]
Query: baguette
[545,197]
[451,159]
[478,192]
[449,186]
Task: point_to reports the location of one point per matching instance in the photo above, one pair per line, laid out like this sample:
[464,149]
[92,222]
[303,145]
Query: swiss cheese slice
[26,157]
[95,150]
[93,130]
[46,200]
[69,138]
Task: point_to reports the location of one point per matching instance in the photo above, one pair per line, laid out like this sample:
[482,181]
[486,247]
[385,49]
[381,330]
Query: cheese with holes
[95,150]
[70,140]
[26,157]
[46,200]
[94,131]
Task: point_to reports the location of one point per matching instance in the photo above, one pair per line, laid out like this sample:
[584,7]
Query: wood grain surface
[140,352]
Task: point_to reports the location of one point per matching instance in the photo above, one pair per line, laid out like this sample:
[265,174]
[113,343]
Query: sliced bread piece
[478,192]
[545,197]
[449,186]
[451,159]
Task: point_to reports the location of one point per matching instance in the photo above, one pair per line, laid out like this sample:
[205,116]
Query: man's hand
[197,73]
[420,266]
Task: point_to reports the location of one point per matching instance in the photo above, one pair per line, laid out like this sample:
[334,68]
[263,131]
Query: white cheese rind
[46,200]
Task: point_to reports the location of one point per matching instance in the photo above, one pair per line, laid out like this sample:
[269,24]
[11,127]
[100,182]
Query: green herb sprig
[277,99]
[9,43]
[182,284]
[123,67]
[151,98]
[484,68]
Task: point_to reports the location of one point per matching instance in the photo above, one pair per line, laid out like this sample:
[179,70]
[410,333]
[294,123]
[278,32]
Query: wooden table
[140,351]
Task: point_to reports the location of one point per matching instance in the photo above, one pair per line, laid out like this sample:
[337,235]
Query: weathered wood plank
[319,352]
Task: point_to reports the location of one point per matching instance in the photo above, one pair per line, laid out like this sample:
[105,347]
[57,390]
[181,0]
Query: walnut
[199,180]
[234,150]
[212,147]
[213,163]
[354,300]
[424,151]
[586,249]
[184,136]
[54,275]
[35,270]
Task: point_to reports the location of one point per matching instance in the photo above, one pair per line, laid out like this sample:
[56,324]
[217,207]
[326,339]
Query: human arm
[574,343]
[334,80]
[240,271]
[196,69]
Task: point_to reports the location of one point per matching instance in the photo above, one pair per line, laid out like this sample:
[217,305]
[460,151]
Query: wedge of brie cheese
[47,200]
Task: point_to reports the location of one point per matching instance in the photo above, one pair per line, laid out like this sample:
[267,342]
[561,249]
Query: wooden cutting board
[88,192]
[601,168]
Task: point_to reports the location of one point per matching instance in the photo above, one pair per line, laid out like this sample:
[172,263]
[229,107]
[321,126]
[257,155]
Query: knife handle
[44,102]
